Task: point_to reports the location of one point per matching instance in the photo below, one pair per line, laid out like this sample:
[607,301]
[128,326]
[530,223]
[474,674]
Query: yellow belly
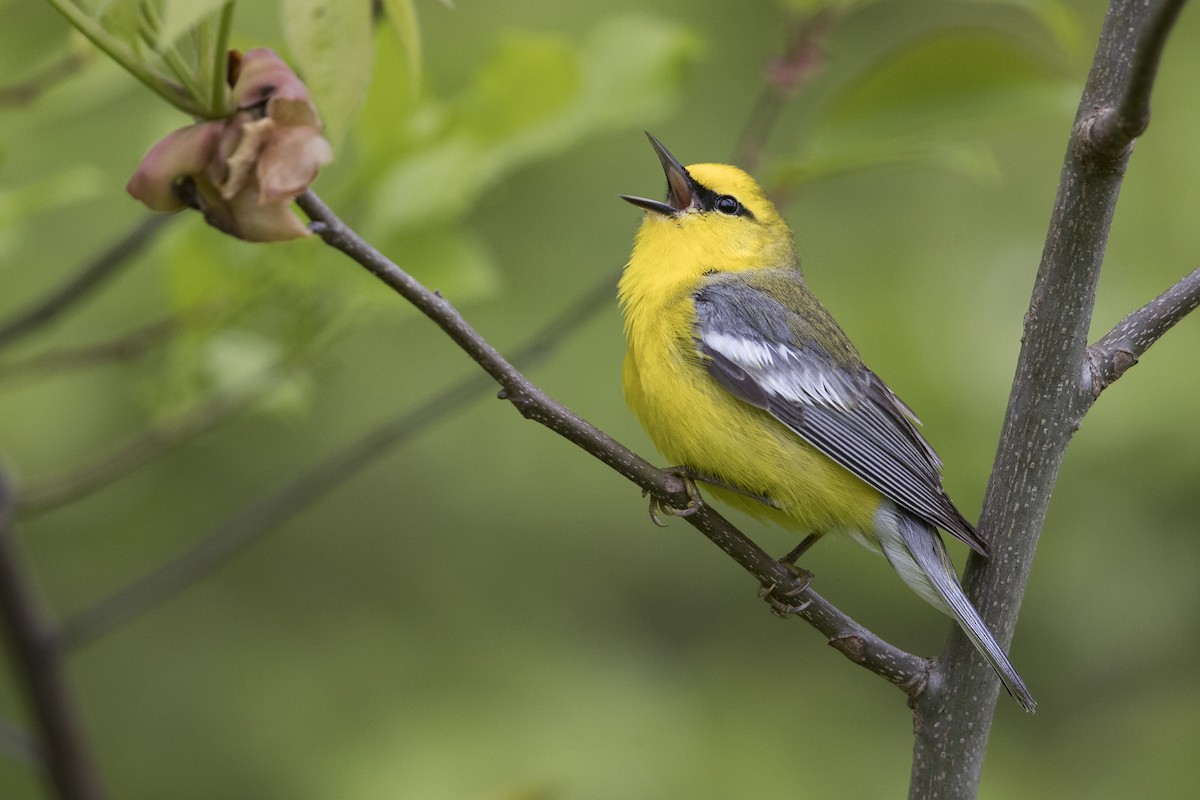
[699,425]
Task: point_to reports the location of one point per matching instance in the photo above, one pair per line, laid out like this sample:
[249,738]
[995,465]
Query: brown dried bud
[244,171]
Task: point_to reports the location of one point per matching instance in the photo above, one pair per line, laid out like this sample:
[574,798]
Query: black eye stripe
[727,204]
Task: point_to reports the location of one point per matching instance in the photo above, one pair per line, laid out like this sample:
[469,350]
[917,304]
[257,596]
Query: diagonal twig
[903,669]
[82,481]
[30,89]
[802,59]
[80,285]
[240,530]
[128,346]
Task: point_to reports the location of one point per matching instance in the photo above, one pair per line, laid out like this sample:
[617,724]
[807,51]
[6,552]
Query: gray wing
[841,408]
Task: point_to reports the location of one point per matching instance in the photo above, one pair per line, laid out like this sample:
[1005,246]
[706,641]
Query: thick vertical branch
[1048,398]
[38,660]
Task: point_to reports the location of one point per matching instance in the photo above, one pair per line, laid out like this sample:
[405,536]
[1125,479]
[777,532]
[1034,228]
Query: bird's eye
[727,205]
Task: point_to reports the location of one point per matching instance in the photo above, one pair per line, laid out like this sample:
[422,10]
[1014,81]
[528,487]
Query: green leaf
[121,19]
[1055,17]
[941,87]
[69,186]
[246,314]
[180,16]
[19,204]
[537,95]
[813,6]
[635,67]
[331,43]
[529,79]
[236,357]
[380,133]
[965,84]
[970,160]
[402,14]
[451,259]
[40,39]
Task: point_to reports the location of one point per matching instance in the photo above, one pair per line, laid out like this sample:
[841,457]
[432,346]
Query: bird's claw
[657,505]
[781,605]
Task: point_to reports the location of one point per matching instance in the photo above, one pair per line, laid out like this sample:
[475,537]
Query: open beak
[681,192]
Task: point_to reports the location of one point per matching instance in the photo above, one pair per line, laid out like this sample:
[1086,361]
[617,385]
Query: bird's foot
[784,604]
[794,554]
[658,506]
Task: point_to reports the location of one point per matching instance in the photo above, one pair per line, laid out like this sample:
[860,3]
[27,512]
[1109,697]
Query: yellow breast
[697,424]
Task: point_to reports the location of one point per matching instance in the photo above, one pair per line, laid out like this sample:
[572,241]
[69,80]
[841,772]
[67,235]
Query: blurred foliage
[486,613]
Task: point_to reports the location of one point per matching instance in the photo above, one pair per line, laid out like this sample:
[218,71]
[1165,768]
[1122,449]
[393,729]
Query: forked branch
[1119,349]
[1112,127]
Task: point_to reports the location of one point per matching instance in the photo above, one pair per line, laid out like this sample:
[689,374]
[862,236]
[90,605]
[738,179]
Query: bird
[741,377]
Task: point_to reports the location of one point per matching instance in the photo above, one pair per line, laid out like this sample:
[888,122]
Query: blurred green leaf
[929,104]
[811,6]
[201,268]
[402,14]
[528,79]
[381,133]
[121,19]
[450,259]
[970,160]
[180,16]
[1057,18]
[331,43]
[277,305]
[236,356]
[534,97]
[69,186]
[971,81]
[20,204]
[41,37]
[634,70]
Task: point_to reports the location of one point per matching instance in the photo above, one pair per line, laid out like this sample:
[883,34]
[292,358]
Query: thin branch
[128,346]
[1110,129]
[110,467]
[33,87]
[902,669]
[1119,349]
[77,287]
[802,60]
[38,661]
[528,398]
[242,529]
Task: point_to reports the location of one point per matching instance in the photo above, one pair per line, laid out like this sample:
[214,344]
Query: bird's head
[715,218]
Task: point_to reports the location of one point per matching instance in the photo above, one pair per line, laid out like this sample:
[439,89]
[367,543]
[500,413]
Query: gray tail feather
[935,579]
